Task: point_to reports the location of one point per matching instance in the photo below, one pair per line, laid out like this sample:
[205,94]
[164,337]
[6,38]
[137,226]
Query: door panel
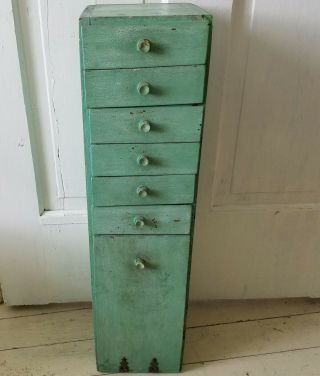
[258,198]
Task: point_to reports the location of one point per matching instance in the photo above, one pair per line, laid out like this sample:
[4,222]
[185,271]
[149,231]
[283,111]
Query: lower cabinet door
[139,295]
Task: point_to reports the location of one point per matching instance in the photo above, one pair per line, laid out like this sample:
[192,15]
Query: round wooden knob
[144,45]
[142,160]
[139,263]
[139,221]
[144,126]
[142,191]
[143,88]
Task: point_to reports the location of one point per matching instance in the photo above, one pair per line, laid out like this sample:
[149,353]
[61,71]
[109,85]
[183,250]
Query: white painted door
[258,222]
[257,228]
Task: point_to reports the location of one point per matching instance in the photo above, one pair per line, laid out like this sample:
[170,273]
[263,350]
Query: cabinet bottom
[139,300]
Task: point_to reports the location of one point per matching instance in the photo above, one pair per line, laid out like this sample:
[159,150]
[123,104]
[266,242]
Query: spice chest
[143,71]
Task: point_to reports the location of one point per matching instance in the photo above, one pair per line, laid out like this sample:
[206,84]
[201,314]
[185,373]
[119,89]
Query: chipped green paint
[143,73]
[158,86]
[144,159]
[166,124]
[164,44]
[140,311]
[143,190]
[152,219]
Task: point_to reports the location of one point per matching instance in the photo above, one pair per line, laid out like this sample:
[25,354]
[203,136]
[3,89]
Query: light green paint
[168,85]
[174,43]
[140,312]
[167,189]
[167,124]
[153,219]
[125,159]
[154,12]
[139,282]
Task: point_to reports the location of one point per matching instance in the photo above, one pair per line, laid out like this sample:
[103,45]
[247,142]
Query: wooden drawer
[143,190]
[142,308]
[145,86]
[144,159]
[146,124]
[155,219]
[145,45]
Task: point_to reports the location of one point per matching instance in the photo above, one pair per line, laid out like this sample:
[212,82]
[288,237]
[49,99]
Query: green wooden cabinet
[143,73]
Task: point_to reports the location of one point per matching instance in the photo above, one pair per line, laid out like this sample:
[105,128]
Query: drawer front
[144,159]
[145,86]
[140,45]
[143,190]
[146,303]
[146,124]
[155,219]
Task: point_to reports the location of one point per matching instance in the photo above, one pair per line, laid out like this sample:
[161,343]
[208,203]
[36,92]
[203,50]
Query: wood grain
[146,317]
[172,43]
[38,350]
[103,12]
[167,124]
[168,85]
[121,159]
[167,189]
[158,219]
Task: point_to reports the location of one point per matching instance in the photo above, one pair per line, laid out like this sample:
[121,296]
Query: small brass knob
[139,221]
[142,160]
[144,126]
[143,88]
[139,263]
[142,191]
[144,45]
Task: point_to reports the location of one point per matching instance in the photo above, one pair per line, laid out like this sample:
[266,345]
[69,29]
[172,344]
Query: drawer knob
[143,88]
[139,263]
[142,160]
[142,191]
[144,126]
[144,45]
[139,221]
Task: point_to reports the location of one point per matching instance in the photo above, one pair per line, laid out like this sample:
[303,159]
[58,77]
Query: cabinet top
[144,10]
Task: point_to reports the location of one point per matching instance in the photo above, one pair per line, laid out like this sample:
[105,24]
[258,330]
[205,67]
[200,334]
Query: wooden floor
[255,338]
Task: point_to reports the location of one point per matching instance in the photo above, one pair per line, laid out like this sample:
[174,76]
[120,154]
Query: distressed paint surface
[167,189]
[140,311]
[121,159]
[167,124]
[168,85]
[158,219]
[153,12]
[140,242]
[172,43]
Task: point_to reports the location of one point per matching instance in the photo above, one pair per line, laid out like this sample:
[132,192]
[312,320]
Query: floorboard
[224,311]
[256,338]
[252,338]
[7,312]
